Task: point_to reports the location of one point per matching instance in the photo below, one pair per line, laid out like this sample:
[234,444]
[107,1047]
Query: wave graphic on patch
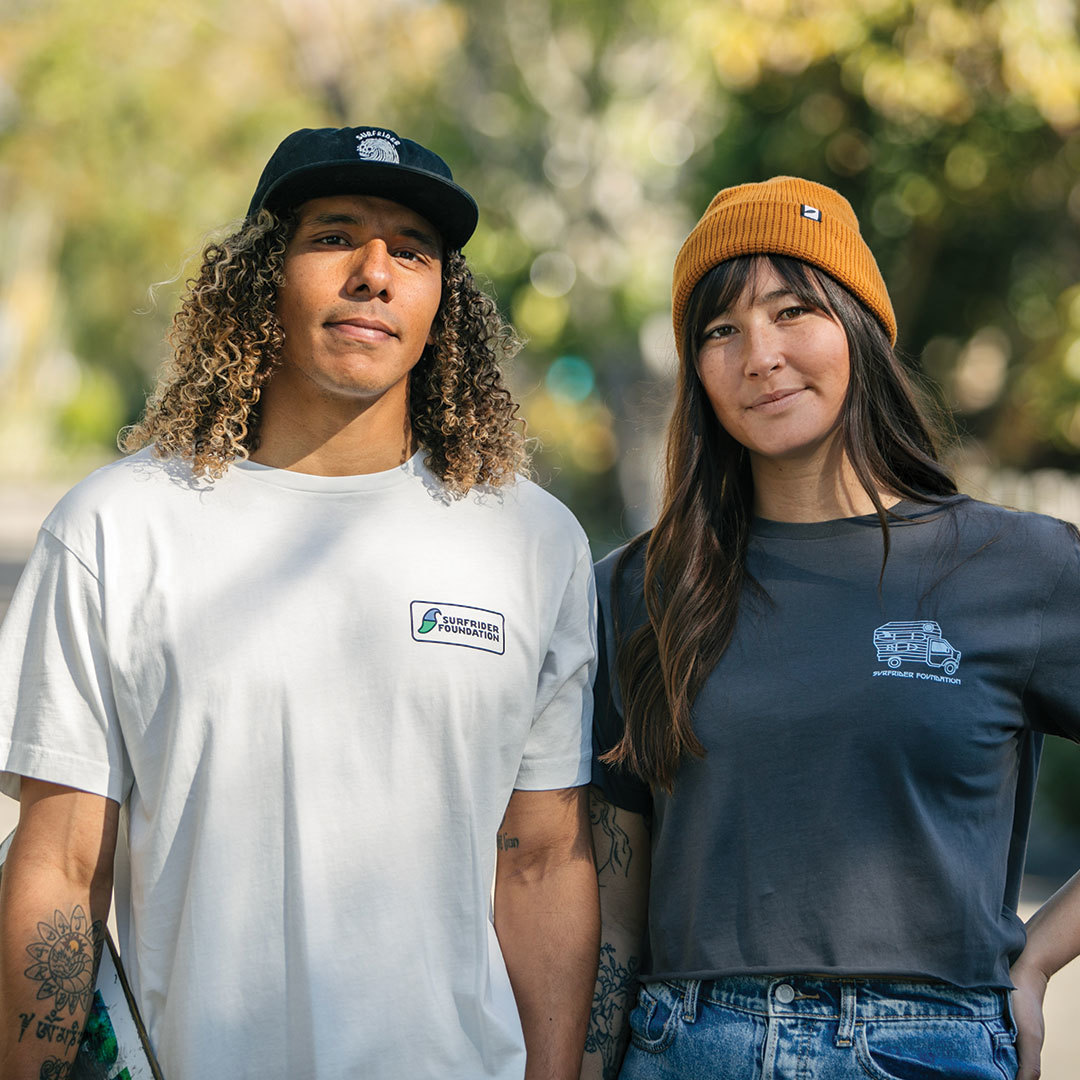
[437,623]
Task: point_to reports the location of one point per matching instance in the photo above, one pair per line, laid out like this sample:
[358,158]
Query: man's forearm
[55,890]
[49,950]
[548,923]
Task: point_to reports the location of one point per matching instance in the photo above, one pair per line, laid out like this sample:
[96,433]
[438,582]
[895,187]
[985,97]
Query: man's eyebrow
[427,239]
[333,219]
[424,238]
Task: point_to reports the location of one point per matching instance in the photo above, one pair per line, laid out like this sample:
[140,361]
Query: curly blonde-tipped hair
[227,341]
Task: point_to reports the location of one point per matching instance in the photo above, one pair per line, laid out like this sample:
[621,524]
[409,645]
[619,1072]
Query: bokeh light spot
[570,378]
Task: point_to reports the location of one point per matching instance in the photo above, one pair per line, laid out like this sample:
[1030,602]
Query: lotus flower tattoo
[66,957]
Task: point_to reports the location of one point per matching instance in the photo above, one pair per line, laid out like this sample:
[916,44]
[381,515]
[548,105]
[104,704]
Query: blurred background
[593,134]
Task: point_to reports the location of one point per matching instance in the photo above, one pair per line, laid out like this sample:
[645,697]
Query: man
[305,651]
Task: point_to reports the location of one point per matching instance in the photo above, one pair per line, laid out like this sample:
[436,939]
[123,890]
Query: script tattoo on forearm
[55,1069]
[608,1031]
[65,954]
[619,853]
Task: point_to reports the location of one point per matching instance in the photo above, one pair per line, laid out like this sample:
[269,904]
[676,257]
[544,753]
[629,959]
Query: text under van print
[916,650]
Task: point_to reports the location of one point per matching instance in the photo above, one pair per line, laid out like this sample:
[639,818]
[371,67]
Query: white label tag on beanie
[811,212]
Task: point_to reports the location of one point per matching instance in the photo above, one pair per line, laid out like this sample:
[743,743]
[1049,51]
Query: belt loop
[689,1004]
[846,1032]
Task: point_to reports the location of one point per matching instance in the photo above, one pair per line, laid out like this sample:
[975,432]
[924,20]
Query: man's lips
[775,401]
[361,329]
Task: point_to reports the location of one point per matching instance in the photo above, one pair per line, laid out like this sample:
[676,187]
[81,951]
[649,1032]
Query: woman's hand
[1027,1004]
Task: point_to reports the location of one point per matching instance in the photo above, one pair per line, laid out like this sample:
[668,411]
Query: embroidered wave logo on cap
[378,146]
[811,212]
[437,623]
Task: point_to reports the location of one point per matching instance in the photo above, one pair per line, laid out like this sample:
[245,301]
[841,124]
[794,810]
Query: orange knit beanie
[782,216]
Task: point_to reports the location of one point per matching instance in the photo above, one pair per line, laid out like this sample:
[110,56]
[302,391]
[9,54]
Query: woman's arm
[621,842]
[1053,940]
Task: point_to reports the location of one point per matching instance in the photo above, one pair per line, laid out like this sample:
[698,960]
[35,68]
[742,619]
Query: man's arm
[621,840]
[54,901]
[548,921]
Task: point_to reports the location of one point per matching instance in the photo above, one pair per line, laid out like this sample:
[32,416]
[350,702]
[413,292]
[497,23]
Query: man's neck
[341,438]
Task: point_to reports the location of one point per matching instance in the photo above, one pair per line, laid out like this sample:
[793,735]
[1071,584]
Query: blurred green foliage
[593,134]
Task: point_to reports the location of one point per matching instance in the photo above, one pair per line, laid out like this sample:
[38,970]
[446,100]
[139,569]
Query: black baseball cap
[315,162]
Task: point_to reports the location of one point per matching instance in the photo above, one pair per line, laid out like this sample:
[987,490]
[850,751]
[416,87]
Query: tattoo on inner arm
[55,1069]
[66,956]
[608,1031]
[505,841]
[619,853]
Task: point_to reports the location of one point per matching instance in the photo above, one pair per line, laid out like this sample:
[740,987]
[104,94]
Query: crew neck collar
[298,481]
[908,511]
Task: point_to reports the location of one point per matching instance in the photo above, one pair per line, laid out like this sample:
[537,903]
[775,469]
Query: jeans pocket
[1005,1053]
[932,1049]
[653,1021]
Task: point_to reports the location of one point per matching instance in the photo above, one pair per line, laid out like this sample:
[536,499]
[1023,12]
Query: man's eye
[334,240]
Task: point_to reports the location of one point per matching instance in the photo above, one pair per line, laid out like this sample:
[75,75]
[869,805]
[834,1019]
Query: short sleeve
[618,786]
[1052,694]
[558,751]
[58,718]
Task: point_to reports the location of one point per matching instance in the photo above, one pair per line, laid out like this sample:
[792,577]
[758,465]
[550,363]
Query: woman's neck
[821,488]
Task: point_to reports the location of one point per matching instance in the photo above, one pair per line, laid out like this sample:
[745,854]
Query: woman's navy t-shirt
[871,753]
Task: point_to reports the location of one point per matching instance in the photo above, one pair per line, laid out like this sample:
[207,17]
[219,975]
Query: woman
[825,682]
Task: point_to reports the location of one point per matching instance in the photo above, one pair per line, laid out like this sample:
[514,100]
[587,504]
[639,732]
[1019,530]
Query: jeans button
[785,994]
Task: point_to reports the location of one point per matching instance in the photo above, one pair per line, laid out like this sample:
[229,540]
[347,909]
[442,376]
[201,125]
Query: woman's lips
[777,401]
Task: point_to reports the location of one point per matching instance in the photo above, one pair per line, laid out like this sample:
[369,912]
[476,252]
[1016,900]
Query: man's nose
[370,269]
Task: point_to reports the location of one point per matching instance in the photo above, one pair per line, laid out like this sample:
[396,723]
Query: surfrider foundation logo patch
[378,146]
[917,646]
[436,623]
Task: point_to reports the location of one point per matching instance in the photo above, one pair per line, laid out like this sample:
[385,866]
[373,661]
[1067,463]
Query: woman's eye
[793,312]
[716,332]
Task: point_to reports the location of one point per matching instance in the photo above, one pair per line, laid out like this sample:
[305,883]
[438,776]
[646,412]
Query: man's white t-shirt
[313,697]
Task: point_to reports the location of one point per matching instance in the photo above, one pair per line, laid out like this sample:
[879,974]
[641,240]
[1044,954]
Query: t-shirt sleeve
[558,750]
[58,717]
[1052,694]
[618,786]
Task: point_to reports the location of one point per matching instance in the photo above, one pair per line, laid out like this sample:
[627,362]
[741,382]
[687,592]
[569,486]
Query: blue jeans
[803,1027]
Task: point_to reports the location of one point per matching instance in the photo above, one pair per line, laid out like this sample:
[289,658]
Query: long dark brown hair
[695,555]
[227,343]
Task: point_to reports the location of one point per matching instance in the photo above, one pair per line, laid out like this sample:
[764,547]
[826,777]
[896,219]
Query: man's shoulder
[129,488]
[534,509]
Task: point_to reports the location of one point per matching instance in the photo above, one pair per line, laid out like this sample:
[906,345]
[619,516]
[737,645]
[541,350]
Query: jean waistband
[835,998]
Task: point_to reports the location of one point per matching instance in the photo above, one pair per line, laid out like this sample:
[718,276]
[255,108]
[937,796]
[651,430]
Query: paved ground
[21,511]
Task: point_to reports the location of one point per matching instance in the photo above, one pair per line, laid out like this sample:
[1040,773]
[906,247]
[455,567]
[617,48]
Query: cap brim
[449,208]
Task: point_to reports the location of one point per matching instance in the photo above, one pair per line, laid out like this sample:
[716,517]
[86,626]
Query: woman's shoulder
[620,576]
[1035,536]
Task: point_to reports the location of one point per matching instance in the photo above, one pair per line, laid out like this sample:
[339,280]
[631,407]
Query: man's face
[363,282]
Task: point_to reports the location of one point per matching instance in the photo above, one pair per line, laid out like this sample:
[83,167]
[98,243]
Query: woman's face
[775,371]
